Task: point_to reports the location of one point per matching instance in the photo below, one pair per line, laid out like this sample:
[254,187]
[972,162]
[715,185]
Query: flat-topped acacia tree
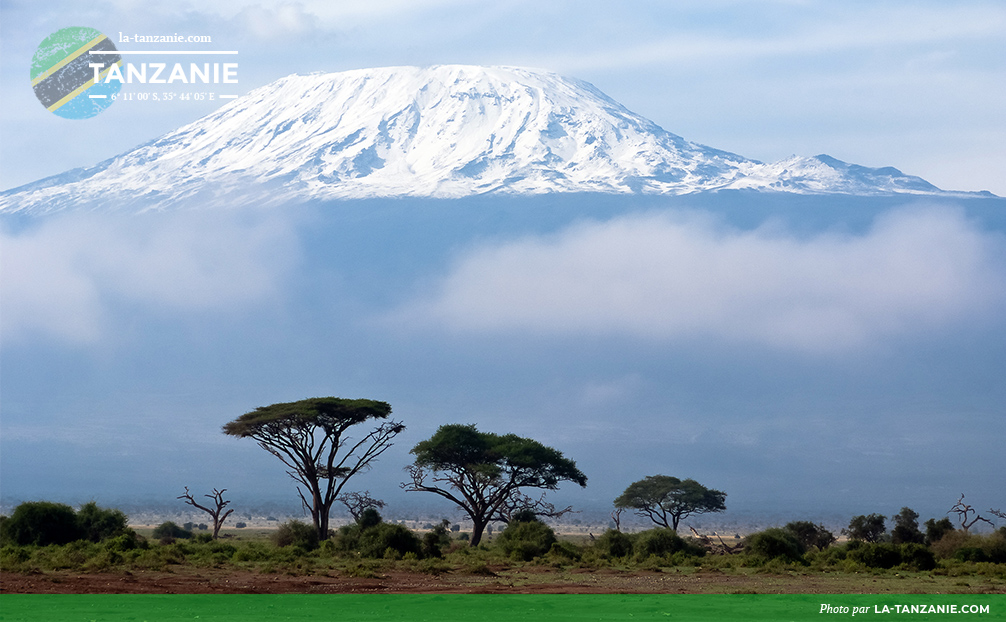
[666,500]
[485,473]
[309,437]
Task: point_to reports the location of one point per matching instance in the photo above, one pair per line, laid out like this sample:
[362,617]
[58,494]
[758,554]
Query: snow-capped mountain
[445,131]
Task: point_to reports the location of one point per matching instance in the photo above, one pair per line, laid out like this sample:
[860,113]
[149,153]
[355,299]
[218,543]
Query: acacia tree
[485,474]
[666,500]
[309,437]
[216,512]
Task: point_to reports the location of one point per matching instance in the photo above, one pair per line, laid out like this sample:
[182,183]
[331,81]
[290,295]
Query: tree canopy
[867,528]
[666,500]
[485,473]
[308,436]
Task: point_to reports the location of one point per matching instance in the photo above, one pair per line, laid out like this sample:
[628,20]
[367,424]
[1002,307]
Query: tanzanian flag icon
[62,75]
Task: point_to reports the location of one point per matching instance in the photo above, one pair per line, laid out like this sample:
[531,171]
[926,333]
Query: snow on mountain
[445,131]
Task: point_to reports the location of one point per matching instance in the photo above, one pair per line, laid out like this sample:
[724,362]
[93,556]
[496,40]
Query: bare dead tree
[616,516]
[217,512]
[358,502]
[964,512]
[998,513]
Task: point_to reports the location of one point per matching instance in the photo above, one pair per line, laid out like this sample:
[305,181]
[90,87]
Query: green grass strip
[496,608]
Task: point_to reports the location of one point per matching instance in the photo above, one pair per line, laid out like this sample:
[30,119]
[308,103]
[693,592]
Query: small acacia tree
[666,500]
[309,437]
[485,473]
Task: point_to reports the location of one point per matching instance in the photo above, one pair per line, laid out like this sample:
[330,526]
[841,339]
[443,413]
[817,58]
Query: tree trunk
[323,527]
[478,526]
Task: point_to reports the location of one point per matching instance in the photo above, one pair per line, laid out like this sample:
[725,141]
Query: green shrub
[251,552]
[168,530]
[971,554]
[957,545]
[660,542]
[565,551]
[775,542]
[916,556]
[388,540]
[436,540]
[526,540]
[369,518]
[877,555]
[810,535]
[97,524]
[41,523]
[614,543]
[127,541]
[830,556]
[296,533]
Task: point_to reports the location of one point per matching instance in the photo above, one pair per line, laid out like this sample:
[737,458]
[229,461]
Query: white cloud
[662,277]
[59,278]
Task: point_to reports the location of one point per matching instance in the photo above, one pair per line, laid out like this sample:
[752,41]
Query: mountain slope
[446,131]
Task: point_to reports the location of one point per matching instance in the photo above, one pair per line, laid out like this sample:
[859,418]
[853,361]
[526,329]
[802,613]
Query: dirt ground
[537,581]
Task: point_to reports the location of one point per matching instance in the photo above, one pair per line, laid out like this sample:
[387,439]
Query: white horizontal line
[227,96]
[98,96]
[162,52]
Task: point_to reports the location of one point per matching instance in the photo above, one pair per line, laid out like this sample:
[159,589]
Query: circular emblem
[69,71]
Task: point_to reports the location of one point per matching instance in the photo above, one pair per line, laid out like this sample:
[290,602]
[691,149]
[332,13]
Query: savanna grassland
[526,557]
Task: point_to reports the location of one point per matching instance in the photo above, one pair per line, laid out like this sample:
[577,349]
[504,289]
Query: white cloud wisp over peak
[664,277]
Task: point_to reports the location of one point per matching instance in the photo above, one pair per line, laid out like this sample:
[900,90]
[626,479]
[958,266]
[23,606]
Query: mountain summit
[445,131]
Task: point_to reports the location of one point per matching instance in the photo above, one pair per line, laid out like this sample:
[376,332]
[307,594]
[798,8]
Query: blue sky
[816,356]
[915,85]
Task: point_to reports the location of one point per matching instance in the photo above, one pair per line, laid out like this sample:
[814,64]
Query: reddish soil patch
[528,581]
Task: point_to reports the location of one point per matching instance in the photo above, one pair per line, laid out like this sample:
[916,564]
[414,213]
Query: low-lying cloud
[661,276]
[60,277]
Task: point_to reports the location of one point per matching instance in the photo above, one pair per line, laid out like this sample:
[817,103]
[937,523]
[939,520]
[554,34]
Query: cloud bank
[665,277]
[61,278]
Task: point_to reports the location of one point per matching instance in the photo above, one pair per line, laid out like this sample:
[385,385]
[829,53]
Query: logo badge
[63,72]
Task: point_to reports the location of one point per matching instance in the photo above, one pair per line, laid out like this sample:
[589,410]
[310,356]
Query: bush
[369,518]
[661,542]
[971,554]
[41,523]
[296,533]
[877,555]
[436,540]
[810,535]
[526,540]
[614,543]
[917,556]
[972,547]
[773,543]
[168,530]
[97,524]
[127,541]
[388,540]
[565,551]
